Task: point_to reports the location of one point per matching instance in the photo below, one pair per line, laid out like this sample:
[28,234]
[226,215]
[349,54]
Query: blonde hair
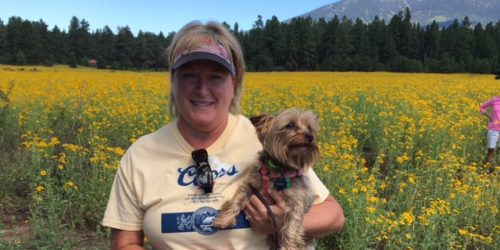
[191,37]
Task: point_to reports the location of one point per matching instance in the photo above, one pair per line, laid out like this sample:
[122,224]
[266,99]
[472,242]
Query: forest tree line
[301,44]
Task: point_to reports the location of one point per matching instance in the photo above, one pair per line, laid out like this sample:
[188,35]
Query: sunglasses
[203,176]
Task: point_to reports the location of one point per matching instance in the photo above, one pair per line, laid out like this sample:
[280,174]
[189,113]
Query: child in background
[493,126]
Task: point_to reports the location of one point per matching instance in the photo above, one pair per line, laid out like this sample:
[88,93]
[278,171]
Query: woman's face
[203,91]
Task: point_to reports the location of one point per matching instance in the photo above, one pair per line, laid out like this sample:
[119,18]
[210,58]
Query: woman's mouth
[202,103]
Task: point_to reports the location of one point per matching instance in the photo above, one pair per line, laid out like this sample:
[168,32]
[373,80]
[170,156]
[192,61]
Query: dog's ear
[259,120]
[262,124]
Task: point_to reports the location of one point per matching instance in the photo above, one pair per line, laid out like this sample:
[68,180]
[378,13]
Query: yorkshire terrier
[289,150]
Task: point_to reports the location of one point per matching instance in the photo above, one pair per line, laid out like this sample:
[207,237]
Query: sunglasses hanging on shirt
[203,176]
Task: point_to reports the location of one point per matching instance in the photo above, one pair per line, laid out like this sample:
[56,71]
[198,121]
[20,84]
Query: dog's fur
[288,140]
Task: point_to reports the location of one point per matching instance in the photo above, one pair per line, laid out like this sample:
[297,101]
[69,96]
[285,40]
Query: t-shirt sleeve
[123,210]
[317,186]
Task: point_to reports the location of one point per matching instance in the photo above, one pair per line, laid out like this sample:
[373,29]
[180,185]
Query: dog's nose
[309,138]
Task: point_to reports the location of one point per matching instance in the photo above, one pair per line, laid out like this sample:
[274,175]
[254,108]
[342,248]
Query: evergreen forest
[300,44]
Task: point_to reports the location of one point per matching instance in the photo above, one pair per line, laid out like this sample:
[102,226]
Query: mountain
[422,11]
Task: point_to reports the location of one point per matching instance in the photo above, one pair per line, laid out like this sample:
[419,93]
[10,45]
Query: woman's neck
[201,138]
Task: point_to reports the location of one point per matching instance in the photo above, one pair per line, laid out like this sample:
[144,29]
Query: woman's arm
[127,240]
[324,218]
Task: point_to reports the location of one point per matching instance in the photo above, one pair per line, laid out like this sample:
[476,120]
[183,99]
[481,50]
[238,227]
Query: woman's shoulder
[243,120]
[243,128]
[243,133]
[152,140]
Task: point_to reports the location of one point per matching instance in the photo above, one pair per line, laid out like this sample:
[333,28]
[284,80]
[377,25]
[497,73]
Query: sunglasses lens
[203,171]
[204,175]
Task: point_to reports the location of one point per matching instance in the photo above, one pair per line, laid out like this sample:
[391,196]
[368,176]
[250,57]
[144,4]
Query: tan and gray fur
[289,139]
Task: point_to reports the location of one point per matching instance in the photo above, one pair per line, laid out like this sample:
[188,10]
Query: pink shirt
[494,104]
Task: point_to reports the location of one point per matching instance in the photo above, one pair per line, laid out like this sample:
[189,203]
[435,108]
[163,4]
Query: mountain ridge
[422,11]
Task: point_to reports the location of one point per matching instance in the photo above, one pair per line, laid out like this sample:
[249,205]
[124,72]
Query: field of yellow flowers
[402,153]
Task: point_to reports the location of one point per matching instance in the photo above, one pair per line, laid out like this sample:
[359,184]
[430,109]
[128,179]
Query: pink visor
[210,51]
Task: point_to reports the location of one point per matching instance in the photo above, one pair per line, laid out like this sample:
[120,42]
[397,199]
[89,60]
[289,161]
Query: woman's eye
[217,77]
[188,77]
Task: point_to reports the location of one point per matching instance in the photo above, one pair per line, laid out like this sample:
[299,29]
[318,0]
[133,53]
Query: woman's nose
[202,85]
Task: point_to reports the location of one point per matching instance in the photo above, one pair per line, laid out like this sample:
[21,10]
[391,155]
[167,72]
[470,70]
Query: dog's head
[289,137]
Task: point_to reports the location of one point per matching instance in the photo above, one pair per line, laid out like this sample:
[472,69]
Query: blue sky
[154,16]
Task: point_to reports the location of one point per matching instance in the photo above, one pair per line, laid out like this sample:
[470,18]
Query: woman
[161,189]
[493,125]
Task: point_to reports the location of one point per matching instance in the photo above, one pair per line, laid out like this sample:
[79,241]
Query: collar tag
[281,183]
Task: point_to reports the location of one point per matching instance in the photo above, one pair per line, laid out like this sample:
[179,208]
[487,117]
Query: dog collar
[271,165]
[281,179]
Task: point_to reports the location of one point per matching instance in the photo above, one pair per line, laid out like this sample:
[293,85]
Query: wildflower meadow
[402,153]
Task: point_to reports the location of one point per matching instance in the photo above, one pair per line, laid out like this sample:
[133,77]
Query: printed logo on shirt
[186,175]
[202,220]
[199,221]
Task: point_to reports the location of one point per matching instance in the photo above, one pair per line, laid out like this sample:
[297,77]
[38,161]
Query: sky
[154,16]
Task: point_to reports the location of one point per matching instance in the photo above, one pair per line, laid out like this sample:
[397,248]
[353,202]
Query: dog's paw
[223,222]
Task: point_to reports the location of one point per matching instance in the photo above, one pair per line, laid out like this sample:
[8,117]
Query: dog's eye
[290,125]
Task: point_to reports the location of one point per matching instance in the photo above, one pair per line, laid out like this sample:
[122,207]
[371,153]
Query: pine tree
[72,61]
[431,41]
[343,48]
[326,43]
[3,43]
[21,58]
[256,47]
[275,43]
[124,48]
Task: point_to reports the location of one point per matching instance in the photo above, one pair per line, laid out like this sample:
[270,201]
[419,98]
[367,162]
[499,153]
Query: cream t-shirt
[153,189]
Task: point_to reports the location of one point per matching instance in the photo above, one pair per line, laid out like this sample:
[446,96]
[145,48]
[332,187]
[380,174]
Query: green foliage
[21,58]
[72,62]
[84,61]
[301,44]
[101,62]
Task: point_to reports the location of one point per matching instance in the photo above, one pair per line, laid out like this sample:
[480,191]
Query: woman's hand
[320,220]
[258,216]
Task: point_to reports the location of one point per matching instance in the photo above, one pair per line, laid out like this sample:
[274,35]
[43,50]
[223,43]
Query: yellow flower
[70,184]
[43,173]
[117,150]
[407,218]
[54,141]
[72,147]
[371,210]
[402,159]
[373,199]
[411,179]
[326,169]
[40,188]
